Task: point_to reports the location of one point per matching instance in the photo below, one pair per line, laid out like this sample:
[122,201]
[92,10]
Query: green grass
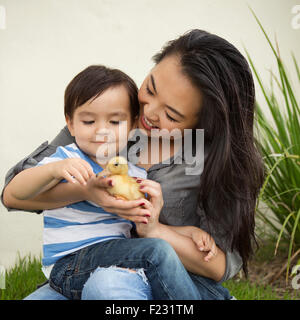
[23,278]
[279,139]
[244,290]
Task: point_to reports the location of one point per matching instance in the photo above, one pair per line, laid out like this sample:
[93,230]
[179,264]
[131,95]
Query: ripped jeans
[168,278]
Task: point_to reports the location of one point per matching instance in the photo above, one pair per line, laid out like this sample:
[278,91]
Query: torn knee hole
[127,269]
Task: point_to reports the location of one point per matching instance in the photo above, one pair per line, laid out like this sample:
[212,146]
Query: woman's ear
[69,122]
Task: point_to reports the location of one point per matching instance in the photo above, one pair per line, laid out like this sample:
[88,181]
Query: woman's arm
[184,230]
[180,238]
[188,252]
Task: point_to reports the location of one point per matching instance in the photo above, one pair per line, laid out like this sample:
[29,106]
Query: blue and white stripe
[81,224]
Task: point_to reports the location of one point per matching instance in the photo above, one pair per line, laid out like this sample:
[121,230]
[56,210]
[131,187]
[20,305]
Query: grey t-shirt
[180,193]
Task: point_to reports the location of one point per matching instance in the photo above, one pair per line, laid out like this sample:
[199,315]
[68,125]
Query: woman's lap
[155,256]
[116,287]
[113,283]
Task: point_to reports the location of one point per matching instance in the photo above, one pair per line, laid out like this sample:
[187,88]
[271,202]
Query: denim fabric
[116,283]
[45,293]
[166,274]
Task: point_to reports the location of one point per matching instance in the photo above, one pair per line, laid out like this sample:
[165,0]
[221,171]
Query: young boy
[98,101]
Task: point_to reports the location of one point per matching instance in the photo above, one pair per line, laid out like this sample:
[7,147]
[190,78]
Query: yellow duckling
[125,187]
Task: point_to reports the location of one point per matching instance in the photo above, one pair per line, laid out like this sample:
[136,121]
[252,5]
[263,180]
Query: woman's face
[168,99]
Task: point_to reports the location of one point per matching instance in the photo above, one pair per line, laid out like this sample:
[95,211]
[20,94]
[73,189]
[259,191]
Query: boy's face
[101,126]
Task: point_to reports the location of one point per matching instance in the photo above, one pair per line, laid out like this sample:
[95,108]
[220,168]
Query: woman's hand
[205,243]
[155,203]
[95,191]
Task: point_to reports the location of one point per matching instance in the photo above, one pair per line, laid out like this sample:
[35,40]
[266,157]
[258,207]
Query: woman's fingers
[200,245]
[140,207]
[136,219]
[102,182]
[212,251]
[124,204]
[136,215]
[153,192]
[210,255]
[146,182]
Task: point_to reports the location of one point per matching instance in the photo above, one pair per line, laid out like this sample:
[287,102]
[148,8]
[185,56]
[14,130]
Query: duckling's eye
[116,164]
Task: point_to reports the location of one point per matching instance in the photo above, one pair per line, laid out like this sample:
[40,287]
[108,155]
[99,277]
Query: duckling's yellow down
[125,187]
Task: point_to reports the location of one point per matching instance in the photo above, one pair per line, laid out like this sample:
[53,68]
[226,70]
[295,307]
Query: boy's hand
[205,242]
[72,170]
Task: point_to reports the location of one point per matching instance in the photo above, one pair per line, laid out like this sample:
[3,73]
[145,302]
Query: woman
[200,81]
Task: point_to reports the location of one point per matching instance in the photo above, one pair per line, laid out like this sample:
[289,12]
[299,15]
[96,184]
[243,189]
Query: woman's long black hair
[233,172]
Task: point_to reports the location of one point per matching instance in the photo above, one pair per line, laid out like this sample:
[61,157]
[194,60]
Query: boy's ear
[70,125]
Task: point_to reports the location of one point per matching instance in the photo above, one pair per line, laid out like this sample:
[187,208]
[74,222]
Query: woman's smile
[147,124]
[168,99]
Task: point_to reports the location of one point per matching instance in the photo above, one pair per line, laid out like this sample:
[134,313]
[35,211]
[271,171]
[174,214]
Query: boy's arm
[44,150]
[31,182]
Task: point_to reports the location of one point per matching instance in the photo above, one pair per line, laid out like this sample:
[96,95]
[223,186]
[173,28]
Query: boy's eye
[114,122]
[170,118]
[149,91]
[88,122]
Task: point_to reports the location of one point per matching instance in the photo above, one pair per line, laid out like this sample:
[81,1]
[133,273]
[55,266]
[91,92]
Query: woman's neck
[156,151]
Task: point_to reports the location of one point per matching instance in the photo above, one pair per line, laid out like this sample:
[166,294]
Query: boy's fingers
[68,177]
[83,169]
[74,172]
[89,169]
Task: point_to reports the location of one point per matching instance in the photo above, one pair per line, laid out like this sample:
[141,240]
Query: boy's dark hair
[93,81]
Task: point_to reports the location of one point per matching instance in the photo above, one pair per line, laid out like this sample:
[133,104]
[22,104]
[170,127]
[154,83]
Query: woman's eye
[149,91]
[170,118]
[88,122]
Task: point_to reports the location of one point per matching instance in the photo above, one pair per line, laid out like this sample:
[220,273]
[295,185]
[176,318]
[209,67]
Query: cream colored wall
[46,43]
